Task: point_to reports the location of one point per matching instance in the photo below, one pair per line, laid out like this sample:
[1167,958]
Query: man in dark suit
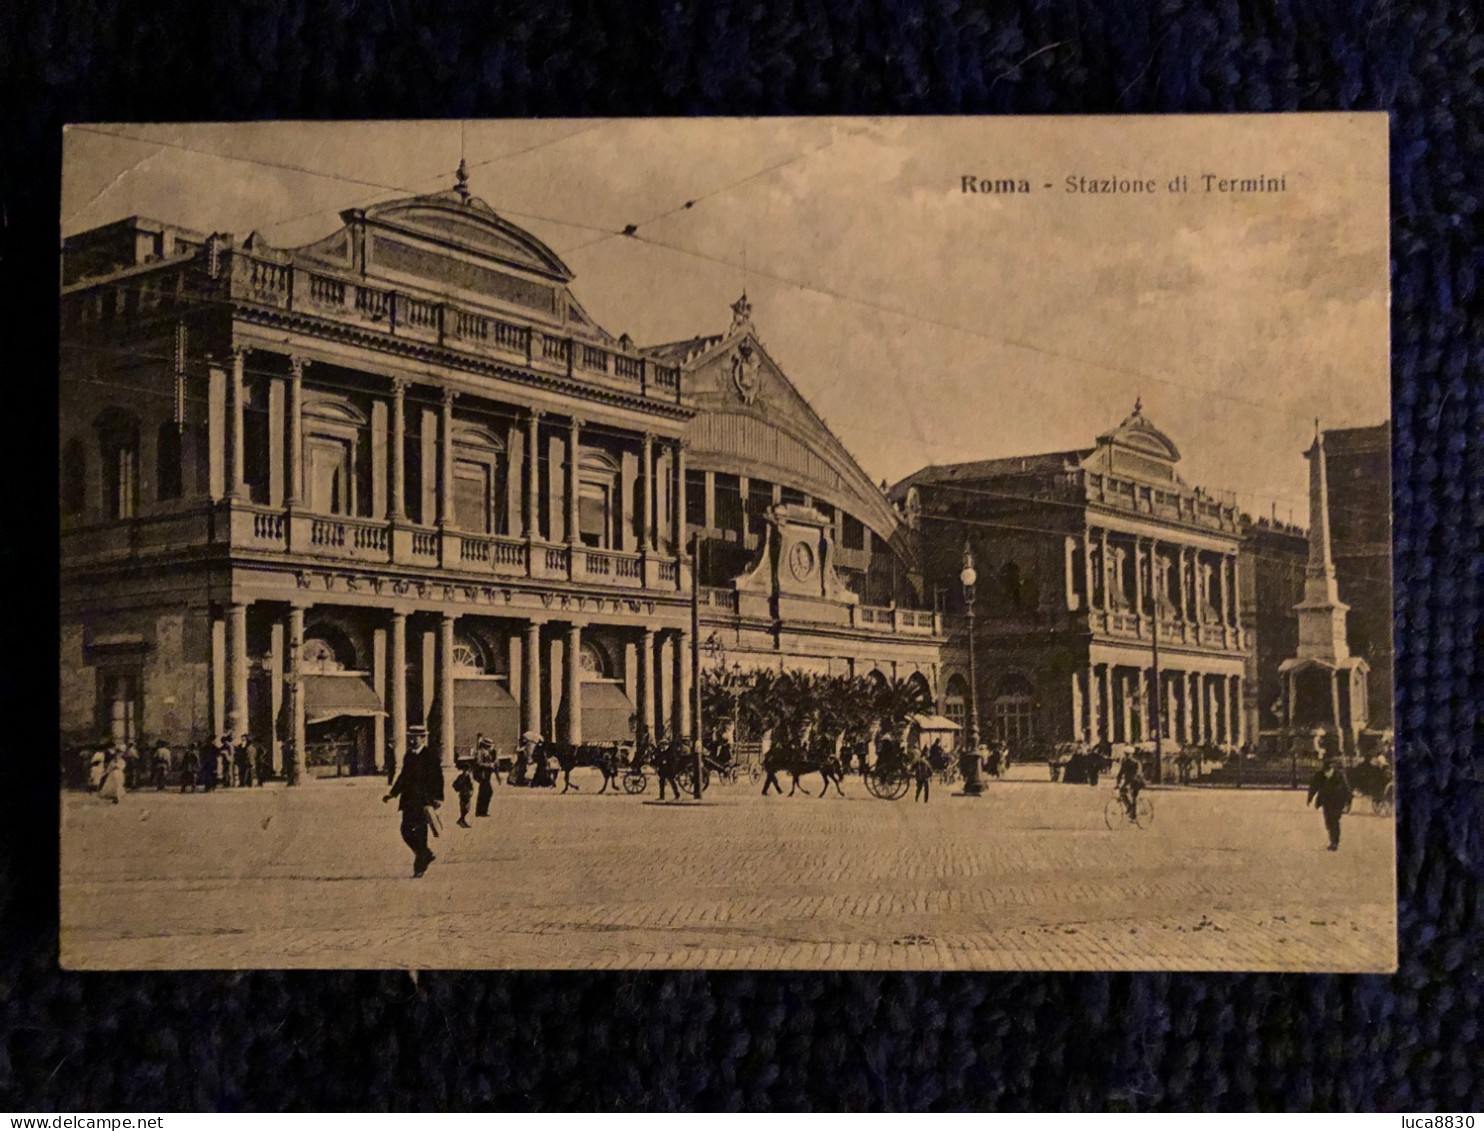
[1329,792]
[418,787]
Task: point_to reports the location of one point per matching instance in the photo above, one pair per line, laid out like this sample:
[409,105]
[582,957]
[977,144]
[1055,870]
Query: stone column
[572,687]
[679,495]
[445,690]
[1239,713]
[647,687]
[1089,580]
[1107,705]
[710,500]
[1077,727]
[397,675]
[1198,707]
[682,685]
[275,693]
[646,470]
[574,436]
[445,461]
[277,430]
[397,469]
[1142,701]
[296,689]
[237,669]
[1094,719]
[1139,576]
[217,411]
[1107,576]
[296,431]
[533,477]
[530,685]
[1070,580]
[236,394]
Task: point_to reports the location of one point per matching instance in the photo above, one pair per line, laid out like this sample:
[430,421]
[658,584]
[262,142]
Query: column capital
[239,353]
[449,396]
[536,622]
[297,364]
[534,415]
[400,385]
[576,423]
[649,438]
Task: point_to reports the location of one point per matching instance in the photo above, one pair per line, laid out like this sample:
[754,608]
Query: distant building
[1272,563]
[1080,554]
[1324,683]
[1359,464]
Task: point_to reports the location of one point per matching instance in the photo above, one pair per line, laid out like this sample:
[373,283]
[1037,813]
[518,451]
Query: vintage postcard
[829,543]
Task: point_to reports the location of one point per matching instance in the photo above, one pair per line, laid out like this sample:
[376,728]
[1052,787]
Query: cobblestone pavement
[1026,877]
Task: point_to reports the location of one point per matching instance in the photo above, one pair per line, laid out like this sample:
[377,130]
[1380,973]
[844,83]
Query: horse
[821,760]
[604,759]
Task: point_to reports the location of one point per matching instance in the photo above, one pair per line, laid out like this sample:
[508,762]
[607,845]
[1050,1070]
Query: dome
[1138,433]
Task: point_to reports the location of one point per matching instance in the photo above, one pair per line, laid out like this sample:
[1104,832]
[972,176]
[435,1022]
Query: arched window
[168,478]
[74,477]
[1010,585]
[472,656]
[595,662]
[597,499]
[334,451]
[479,470]
[118,447]
[327,650]
[1013,711]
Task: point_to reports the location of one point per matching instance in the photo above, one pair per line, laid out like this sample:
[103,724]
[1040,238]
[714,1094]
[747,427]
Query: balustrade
[282,285]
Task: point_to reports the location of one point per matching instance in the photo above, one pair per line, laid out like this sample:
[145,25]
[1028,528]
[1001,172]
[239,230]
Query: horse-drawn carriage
[1374,781]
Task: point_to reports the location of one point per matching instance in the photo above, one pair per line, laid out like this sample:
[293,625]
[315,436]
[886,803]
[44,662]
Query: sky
[925,324]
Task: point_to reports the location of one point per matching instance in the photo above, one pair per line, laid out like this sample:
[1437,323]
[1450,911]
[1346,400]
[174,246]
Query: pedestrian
[463,785]
[1329,792]
[484,777]
[922,774]
[160,765]
[223,765]
[666,765]
[190,770]
[97,767]
[114,786]
[419,790]
[133,769]
[242,758]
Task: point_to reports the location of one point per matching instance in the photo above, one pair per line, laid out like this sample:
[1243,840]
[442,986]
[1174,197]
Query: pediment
[748,409]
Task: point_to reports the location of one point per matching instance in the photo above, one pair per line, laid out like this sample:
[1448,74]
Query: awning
[934,722]
[607,713]
[329,697]
[483,706]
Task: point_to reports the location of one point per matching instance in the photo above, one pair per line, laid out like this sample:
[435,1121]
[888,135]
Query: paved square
[1026,877]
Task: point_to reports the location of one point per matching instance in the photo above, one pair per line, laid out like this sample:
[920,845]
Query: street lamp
[973,786]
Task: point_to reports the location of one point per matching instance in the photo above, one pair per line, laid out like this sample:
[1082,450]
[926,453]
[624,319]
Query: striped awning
[484,707]
[934,722]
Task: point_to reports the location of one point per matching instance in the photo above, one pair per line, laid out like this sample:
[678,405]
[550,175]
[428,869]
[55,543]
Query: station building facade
[1082,557]
[399,476]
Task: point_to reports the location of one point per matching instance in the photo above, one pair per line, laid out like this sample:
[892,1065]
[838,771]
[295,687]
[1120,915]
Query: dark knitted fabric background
[666,1041]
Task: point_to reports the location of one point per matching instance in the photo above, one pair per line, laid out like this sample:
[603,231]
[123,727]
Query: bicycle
[1117,814]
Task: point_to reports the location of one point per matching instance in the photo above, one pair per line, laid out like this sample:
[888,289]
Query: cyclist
[1130,781]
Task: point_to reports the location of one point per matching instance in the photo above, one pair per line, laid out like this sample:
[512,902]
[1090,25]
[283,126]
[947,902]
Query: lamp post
[968,576]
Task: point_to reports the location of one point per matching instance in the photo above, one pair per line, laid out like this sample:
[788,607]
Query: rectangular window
[328,479]
[167,462]
[121,470]
[728,503]
[759,499]
[695,499]
[471,496]
[593,511]
[852,533]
